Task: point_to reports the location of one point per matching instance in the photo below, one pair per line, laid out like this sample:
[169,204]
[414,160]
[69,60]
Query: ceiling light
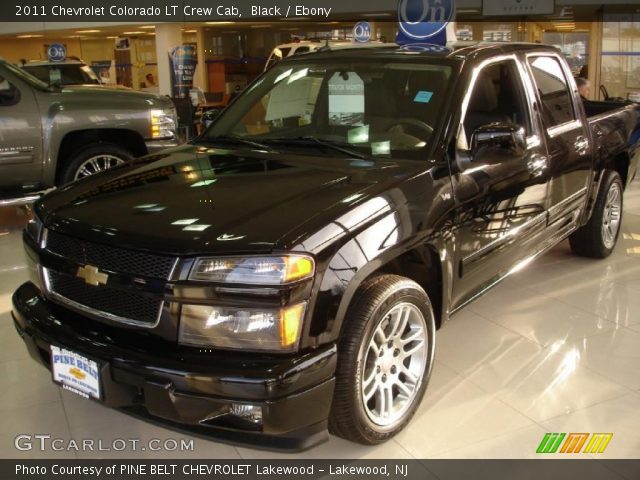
[190,31]
[148,27]
[30,36]
[88,31]
[219,23]
[133,33]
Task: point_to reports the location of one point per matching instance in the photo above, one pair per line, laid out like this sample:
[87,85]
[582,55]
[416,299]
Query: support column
[201,78]
[168,36]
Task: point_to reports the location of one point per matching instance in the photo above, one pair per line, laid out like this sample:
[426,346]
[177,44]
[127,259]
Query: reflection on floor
[555,348]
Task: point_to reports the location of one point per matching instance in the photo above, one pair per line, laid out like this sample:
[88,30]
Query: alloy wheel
[96,164]
[394,364]
[611,215]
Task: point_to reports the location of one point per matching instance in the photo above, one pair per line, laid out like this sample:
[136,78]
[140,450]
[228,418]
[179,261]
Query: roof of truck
[453,50]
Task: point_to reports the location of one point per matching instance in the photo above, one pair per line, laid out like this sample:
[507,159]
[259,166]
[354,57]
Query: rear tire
[599,236]
[93,159]
[385,356]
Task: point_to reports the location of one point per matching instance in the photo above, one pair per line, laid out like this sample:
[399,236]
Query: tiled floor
[554,348]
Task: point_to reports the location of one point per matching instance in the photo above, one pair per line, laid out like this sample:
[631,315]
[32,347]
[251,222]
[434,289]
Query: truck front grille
[109,258]
[116,305]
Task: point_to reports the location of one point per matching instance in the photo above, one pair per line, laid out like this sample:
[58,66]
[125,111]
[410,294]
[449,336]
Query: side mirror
[209,117]
[497,142]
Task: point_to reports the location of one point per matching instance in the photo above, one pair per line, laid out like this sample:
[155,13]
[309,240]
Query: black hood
[197,199]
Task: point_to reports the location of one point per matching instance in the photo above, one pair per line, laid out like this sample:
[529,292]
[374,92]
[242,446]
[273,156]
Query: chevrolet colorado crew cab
[51,134]
[284,274]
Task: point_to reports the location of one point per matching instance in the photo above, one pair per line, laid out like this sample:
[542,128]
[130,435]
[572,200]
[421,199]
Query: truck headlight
[163,123]
[256,270]
[274,330]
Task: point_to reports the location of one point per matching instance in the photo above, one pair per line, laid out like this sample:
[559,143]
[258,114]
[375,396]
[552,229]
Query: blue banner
[183,63]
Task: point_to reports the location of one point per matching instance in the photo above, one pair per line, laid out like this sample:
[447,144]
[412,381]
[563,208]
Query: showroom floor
[555,348]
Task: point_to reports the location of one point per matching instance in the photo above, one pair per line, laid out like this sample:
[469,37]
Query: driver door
[501,196]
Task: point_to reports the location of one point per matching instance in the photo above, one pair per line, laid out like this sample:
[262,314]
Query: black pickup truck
[284,274]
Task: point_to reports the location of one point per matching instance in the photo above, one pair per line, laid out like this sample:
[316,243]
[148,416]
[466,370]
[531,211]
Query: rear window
[553,87]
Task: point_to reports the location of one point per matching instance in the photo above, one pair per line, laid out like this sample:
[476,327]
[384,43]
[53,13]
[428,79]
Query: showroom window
[557,106]
[9,94]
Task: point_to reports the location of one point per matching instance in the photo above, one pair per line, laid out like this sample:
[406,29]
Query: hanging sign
[424,21]
[183,63]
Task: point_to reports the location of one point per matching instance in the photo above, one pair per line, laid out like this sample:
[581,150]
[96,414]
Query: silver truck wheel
[92,159]
[385,355]
[394,364]
[96,164]
[612,215]
[599,236]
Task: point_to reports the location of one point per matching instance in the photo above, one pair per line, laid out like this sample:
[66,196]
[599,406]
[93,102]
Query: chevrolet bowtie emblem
[92,276]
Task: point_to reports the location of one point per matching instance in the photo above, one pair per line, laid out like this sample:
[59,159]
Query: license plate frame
[76,372]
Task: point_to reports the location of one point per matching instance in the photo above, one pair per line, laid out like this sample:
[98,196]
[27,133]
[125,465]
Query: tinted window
[498,96]
[9,94]
[301,50]
[557,107]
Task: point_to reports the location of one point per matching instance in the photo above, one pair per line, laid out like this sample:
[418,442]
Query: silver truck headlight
[274,330]
[163,123]
[253,270]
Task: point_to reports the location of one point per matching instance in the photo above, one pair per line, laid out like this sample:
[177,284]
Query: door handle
[581,145]
[537,164]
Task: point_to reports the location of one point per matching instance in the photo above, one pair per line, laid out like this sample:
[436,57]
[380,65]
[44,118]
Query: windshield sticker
[423,96]
[346,99]
[358,134]
[381,148]
[55,76]
[292,100]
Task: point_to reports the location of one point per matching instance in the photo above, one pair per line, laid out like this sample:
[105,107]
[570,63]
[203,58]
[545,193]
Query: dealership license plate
[75,372]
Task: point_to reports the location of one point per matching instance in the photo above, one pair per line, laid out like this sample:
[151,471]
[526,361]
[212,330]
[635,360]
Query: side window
[553,88]
[300,50]
[498,97]
[9,94]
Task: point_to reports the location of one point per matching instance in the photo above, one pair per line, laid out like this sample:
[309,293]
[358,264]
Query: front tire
[385,357]
[599,236]
[94,159]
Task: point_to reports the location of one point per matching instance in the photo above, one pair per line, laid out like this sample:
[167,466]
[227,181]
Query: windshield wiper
[233,139]
[314,140]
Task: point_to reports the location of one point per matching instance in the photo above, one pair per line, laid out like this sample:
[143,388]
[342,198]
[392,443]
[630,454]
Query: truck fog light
[272,329]
[250,413]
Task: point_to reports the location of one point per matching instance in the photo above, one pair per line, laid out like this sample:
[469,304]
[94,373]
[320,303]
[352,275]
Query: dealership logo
[92,276]
[362,32]
[574,443]
[57,52]
[424,19]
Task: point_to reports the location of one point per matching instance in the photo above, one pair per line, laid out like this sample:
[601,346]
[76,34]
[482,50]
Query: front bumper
[190,390]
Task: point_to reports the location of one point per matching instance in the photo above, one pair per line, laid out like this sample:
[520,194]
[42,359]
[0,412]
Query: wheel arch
[75,141]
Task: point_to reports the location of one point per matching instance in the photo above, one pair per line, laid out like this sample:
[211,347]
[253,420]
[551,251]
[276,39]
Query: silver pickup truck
[51,135]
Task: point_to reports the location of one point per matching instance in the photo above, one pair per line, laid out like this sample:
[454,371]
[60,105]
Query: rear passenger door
[566,137]
[502,198]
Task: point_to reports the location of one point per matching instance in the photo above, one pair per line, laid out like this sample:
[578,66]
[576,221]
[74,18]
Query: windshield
[27,77]
[70,74]
[372,109]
